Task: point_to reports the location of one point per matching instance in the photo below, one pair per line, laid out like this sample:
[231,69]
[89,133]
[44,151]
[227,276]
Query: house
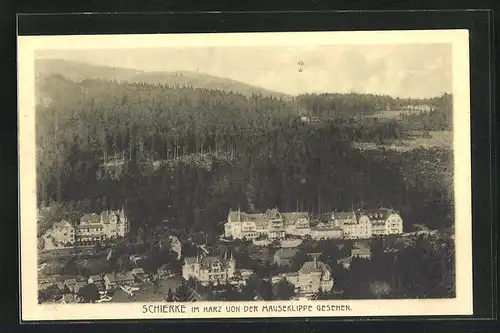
[70,284]
[368,223]
[241,225]
[312,276]
[95,279]
[384,221]
[353,225]
[164,272]
[44,285]
[138,273]
[341,218]
[326,231]
[98,281]
[245,273]
[276,226]
[79,285]
[209,269]
[107,224]
[60,234]
[297,223]
[60,285]
[284,257]
[112,281]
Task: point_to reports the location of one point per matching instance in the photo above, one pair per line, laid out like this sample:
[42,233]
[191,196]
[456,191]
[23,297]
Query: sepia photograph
[245,175]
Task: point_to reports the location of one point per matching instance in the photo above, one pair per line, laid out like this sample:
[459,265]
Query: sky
[420,71]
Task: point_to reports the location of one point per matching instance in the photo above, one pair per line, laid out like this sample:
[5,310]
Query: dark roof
[260,219]
[119,277]
[206,260]
[325,227]
[90,218]
[309,267]
[210,260]
[379,214]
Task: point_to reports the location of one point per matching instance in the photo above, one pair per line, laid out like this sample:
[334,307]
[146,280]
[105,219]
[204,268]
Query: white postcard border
[461,305]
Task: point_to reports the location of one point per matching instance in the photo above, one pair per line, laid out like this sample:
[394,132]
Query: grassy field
[388,114]
[438,139]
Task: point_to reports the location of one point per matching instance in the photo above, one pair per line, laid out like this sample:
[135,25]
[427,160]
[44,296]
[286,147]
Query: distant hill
[79,71]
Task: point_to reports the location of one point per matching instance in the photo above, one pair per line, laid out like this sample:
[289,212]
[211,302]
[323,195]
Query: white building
[209,269]
[59,235]
[241,225]
[108,224]
[384,221]
[326,231]
[366,224]
[297,223]
[350,225]
[313,276]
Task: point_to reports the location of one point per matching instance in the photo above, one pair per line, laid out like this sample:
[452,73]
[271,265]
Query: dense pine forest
[186,155]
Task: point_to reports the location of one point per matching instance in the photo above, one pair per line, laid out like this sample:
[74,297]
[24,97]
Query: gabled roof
[344,216]
[61,225]
[90,218]
[190,260]
[210,260]
[292,218]
[309,267]
[138,271]
[70,281]
[272,214]
[119,277]
[96,278]
[260,220]
[104,216]
[379,214]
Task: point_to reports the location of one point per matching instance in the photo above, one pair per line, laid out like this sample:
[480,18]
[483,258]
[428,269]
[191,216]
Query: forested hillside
[79,71]
[189,154]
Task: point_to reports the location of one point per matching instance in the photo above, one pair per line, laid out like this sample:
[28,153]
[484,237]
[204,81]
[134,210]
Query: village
[274,247]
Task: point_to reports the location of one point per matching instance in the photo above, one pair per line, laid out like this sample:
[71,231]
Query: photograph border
[26,45]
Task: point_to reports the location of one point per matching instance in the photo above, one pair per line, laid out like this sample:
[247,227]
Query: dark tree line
[190,155]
